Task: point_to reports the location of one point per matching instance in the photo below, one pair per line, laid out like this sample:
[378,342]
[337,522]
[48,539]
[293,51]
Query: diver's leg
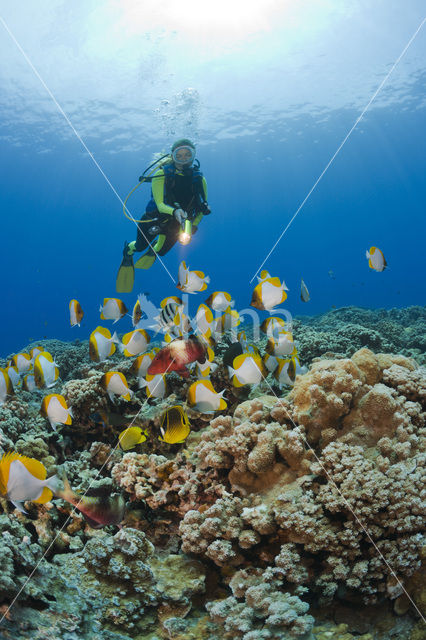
[147,260]
[169,241]
[162,245]
[144,236]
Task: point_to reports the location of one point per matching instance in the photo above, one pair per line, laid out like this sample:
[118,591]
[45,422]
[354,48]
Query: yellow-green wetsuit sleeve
[158,180]
[199,216]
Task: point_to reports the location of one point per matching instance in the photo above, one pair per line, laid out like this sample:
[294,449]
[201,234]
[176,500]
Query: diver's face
[183,156]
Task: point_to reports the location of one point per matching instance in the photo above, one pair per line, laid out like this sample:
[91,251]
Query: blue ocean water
[267,104]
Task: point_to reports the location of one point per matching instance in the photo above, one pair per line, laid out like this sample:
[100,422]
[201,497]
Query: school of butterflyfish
[187,350]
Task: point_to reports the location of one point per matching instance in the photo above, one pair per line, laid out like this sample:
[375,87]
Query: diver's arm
[158,181]
[199,215]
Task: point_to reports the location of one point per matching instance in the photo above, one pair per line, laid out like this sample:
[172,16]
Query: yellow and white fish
[269,292]
[141,364]
[131,437]
[171,335]
[174,426]
[204,321]
[23,362]
[112,309]
[170,299]
[203,397]
[247,369]
[76,313]
[6,387]
[282,345]
[115,383]
[247,347]
[46,370]
[54,407]
[220,301]
[23,479]
[274,325]
[134,342]
[136,313]
[154,385]
[28,382]
[264,275]
[230,319]
[191,281]
[35,351]
[270,362]
[148,312]
[304,293]
[102,344]
[226,322]
[376,259]
[286,371]
[14,376]
[204,369]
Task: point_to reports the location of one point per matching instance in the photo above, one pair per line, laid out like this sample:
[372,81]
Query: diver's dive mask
[184,155]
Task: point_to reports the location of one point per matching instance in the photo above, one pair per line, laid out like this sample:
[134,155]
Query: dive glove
[180,215]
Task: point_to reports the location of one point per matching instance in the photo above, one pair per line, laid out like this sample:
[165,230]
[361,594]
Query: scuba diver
[178,204]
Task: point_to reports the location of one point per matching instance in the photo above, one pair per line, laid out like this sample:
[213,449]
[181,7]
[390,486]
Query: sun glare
[209,21]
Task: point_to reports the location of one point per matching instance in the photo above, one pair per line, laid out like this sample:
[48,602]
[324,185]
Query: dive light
[185,234]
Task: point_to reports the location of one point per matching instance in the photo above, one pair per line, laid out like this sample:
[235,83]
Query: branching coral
[255,450]
[260,609]
[85,396]
[18,557]
[268,516]
[175,485]
[302,504]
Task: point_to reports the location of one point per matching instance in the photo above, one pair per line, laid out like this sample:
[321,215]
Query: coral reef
[275,513]
[343,331]
[132,583]
[353,507]
[259,609]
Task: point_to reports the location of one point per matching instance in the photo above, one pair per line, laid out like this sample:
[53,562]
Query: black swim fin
[126,273]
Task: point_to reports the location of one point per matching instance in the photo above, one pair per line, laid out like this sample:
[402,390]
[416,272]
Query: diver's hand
[180,215]
[205,209]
